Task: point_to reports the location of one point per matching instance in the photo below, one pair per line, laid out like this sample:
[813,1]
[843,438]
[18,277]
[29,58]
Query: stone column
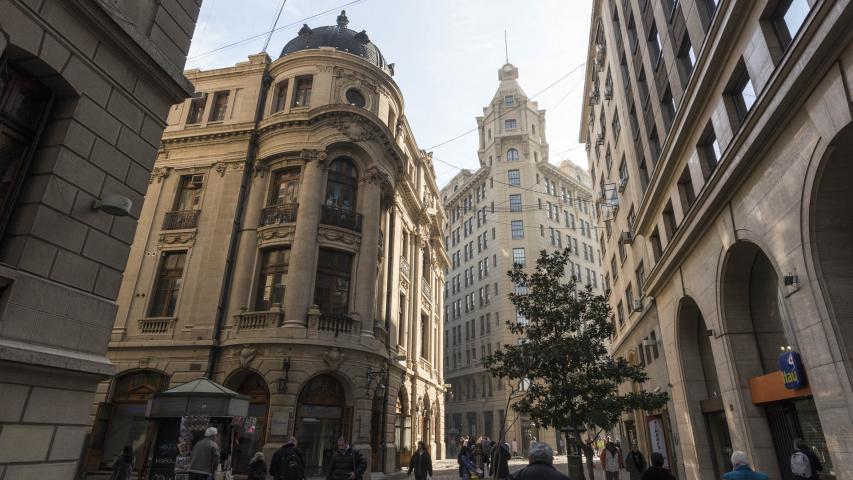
[244,263]
[384,272]
[303,253]
[393,285]
[365,278]
[415,315]
[407,308]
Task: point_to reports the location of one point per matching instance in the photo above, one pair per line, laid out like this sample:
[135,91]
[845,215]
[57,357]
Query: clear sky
[447,55]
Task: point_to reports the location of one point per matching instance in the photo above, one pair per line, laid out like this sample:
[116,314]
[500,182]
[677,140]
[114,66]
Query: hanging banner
[657,437]
[791,367]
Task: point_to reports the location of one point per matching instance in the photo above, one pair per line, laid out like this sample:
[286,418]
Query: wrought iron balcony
[426,289]
[341,217]
[181,219]
[275,214]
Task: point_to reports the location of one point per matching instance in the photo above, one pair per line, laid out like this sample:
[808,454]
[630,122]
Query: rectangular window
[513,178]
[220,104]
[280,96]
[629,297]
[686,59]
[285,187]
[641,279]
[787,18]
[709,151]
[518,256]
[657,248]
[196,110]
[669,223]
[168,285]
[302,94]
[189,193]
[667,106]
[741,93]
[685,189]
[643,87]
[620,314]
[331,292]
[631,27]
[515,202]
[617,127]
[635,123]
[655,47]
[510,124]
[273,278]
[517,229]
[509,100]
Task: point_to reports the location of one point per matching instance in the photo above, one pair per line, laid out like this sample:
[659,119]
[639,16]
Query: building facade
[85,87]
[290,249]
[725,222]
[514,206]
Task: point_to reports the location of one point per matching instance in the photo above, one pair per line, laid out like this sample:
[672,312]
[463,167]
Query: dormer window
[509,101]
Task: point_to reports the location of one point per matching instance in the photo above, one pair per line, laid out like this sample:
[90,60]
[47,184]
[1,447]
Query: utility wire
[274,23]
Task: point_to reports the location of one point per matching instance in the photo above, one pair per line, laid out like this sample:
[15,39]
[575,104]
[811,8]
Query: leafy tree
[569,378]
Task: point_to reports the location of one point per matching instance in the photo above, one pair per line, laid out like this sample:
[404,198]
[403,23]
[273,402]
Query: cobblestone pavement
[448,470]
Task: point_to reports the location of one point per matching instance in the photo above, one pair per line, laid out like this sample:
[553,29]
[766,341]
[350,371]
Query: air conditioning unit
[199,95]
[197,180]
[627,238]
[622,183]
[638,305]
[608,92]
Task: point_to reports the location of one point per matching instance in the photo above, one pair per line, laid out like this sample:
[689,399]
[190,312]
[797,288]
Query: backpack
[801,466]
[291,468]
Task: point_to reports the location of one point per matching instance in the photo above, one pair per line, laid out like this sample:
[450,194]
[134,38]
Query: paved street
[447,469]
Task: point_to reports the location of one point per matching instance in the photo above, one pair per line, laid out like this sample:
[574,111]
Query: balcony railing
[258,320]
[156,325]
[336,323]
[341,217]
[404,266]
[426,289]
[284,213]
[181,219]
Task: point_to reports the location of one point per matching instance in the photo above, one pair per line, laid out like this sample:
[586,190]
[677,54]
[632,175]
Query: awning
[198,397]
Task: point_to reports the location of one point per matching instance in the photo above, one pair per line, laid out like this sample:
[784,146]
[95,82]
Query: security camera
[113,204]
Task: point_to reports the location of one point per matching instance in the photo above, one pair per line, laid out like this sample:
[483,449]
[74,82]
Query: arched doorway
[426,421]
[832,230]
[121,421]
[251,435]
[757,326]
[711,438]
[322,416]
[402,429]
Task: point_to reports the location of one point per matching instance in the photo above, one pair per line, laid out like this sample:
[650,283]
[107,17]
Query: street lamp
[281,383]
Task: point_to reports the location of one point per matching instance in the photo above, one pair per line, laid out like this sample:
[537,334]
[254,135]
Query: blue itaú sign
[792,370]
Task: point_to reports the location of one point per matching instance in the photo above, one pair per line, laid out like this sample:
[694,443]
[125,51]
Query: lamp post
[281,382]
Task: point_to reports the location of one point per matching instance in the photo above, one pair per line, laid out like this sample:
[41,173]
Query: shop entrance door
[790,419]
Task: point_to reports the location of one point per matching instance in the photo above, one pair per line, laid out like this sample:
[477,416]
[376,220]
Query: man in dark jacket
[541,465]
[288,462]
[500,461]
[346,464]
[635,462]
[421,463]
[814,463]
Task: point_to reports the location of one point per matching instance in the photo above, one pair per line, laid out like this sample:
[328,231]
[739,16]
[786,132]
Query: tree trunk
[590,466]
[580,451]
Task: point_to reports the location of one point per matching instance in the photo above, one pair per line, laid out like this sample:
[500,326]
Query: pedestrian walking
[347,463]
[635,462]
[611,461]
[656,471]
[204,457]
[288,462]
[123,465]
[257,467]
[541,466]
[500,461]
[421,463]
[741,469]
[466,466]
[804,462]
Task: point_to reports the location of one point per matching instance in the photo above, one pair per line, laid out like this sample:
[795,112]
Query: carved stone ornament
[275,234]
[355,130]
[176,239]
[374,176]
[247,354]
[340,236]
[159,173]
[308,155]
[220,168]
[333,358]
[261,169]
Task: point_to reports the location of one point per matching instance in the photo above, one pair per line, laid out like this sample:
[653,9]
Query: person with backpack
[288,462]
[257,467]
[466,466]
[541,465]
[741,469]
[657,471]
[804,462]
[421,462]
[611,461]
[347,463]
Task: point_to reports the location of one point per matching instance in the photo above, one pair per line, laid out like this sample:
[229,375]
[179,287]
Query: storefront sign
[792,370]
[280,423]
[657,437]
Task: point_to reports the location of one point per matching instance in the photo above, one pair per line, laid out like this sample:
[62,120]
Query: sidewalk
[448,470]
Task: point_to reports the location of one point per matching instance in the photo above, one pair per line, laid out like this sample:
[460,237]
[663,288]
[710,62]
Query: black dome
[341,38]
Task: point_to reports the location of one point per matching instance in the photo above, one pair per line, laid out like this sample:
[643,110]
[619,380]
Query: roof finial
[506,48]
[342,19]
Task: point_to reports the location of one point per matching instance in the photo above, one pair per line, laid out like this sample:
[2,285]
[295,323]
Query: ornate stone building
[719,133]
[290,249]
[514,206]
[85,87]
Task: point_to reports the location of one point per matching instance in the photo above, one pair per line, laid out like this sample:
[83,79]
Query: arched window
[342,184]
[511,155]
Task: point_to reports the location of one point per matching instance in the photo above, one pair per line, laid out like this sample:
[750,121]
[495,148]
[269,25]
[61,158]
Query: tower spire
[506,48]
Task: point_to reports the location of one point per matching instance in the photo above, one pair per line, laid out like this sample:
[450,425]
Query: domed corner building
[289,249]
